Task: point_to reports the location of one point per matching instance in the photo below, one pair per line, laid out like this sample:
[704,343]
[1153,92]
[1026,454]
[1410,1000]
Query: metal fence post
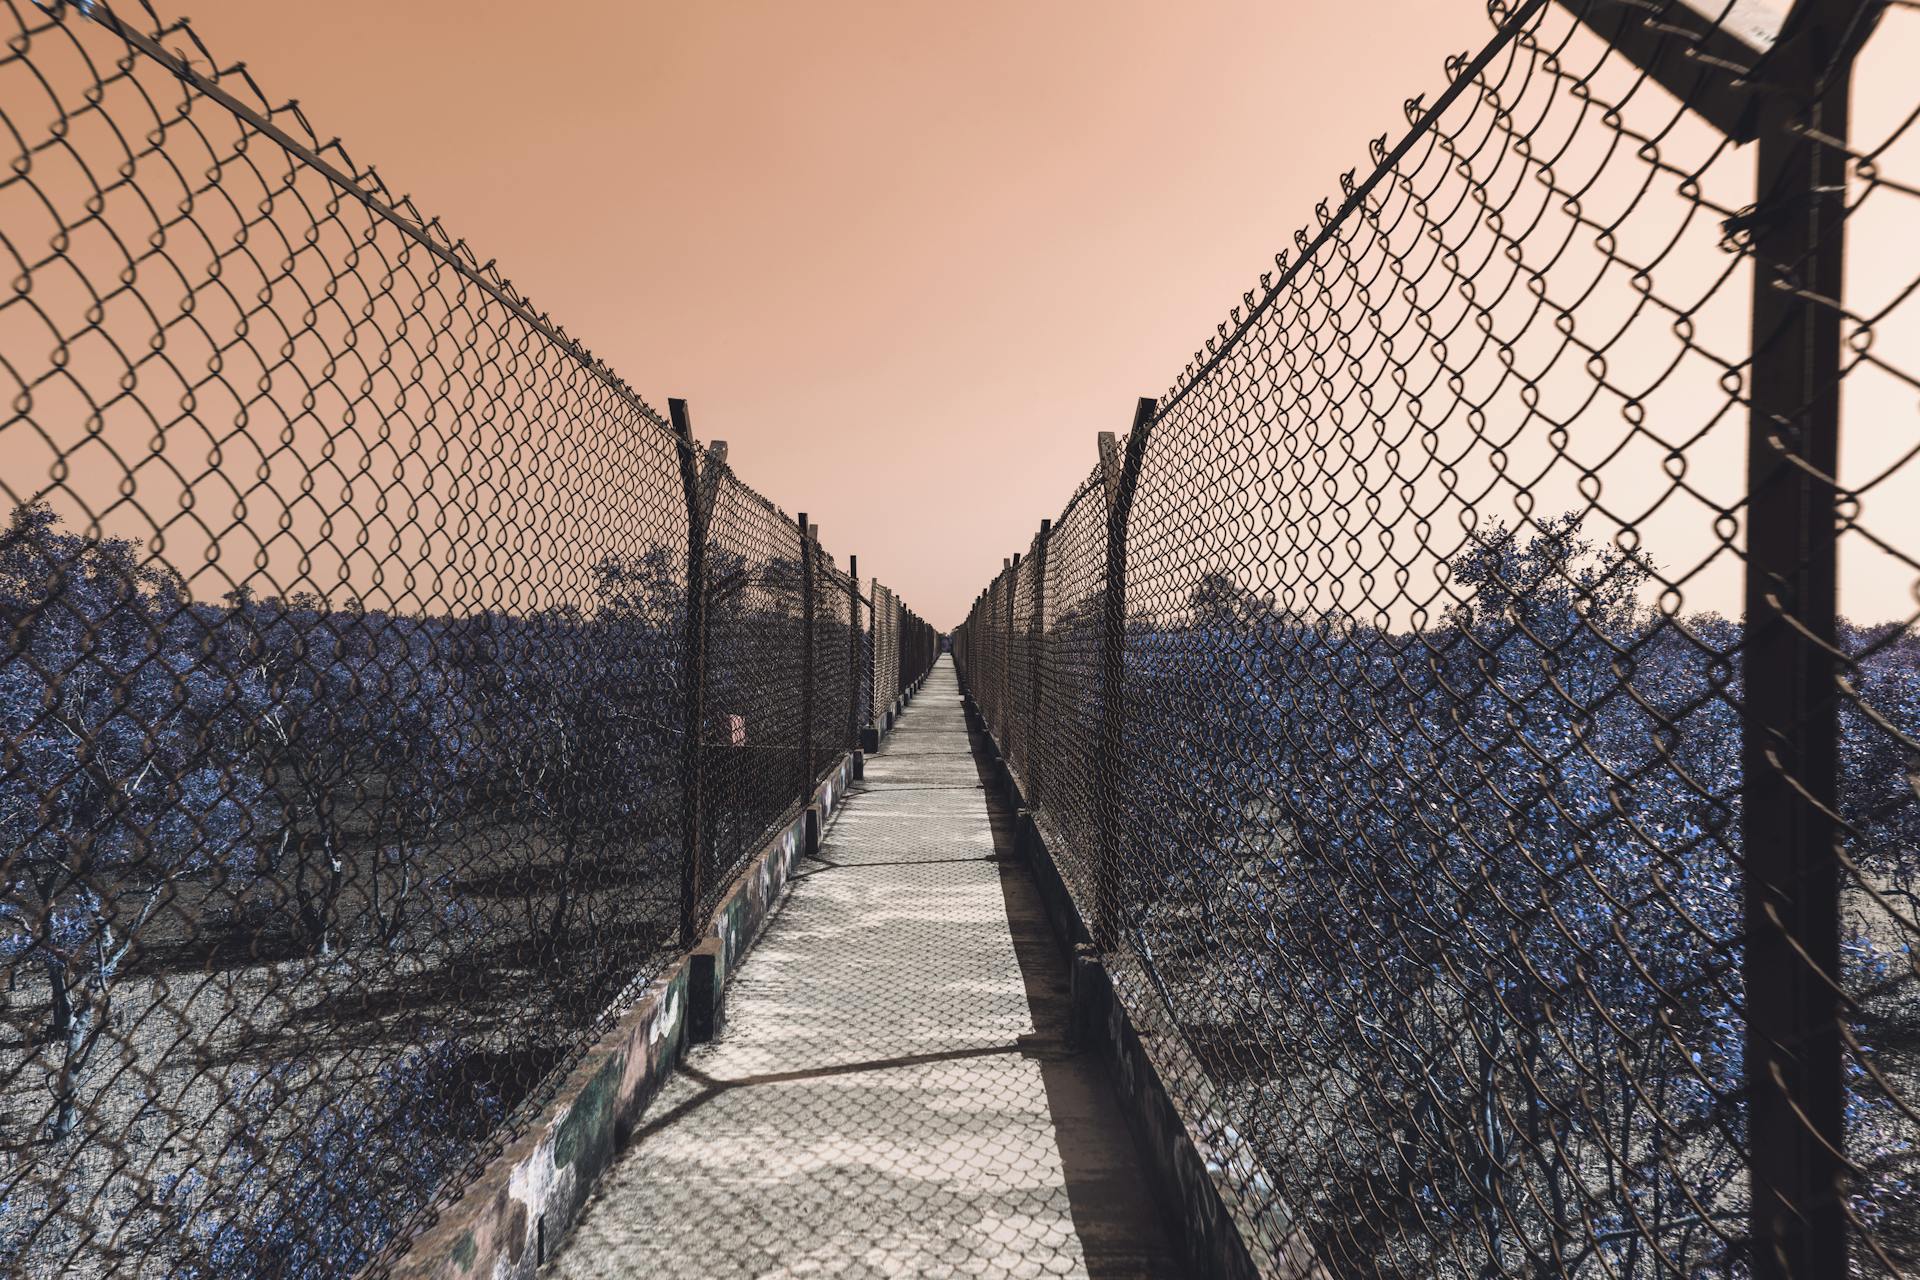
[1790,832]
[806,661]
[853,651]
[1007,717]
[1035,762]
[882,667]
[1794,101]
[1122,471]
[699,486]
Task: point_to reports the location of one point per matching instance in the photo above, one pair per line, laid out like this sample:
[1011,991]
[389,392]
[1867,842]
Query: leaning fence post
[883,644]
[699,485]
[1120,470]
[1790,835]
[1008,718]
[1034,759]
[806,661]
[853,651]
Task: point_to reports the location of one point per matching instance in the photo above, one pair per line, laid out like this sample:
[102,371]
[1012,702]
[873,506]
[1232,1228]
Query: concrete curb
[511,1218]
[743,913]
[1197,1201]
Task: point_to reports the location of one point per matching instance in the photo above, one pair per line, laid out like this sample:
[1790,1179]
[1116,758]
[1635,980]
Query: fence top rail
[331,160]
[1244,317]
[1094,483]
[1707,21]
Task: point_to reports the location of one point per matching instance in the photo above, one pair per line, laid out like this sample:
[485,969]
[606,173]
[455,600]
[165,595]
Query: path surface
[892,1095]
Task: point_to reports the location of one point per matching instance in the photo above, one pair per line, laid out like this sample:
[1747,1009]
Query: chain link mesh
[886,650]
[1066,713]
[1511,825]
[916,658]
[752,758]
[833,674]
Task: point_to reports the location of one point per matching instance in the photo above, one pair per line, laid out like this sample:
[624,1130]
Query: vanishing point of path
[893,1094]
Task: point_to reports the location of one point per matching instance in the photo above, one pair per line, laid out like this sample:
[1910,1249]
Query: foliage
[196,783]
[320,1198]
[118,777]
[1471,904]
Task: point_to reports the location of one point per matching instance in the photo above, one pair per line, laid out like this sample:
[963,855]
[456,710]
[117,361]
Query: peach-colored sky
[906,258]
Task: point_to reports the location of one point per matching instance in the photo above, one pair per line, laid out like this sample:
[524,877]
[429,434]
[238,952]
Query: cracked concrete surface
[893,1094]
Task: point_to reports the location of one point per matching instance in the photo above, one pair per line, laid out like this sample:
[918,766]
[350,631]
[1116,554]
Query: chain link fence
[886,652]
[1476,707]
[387,689]
[835,682]
[904,650]
[919,649]
[753,743]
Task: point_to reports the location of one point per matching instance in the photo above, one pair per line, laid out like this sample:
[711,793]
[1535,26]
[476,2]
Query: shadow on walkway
[893,1094]
[1123,1230]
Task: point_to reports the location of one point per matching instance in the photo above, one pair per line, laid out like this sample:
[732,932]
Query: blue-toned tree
[120,776]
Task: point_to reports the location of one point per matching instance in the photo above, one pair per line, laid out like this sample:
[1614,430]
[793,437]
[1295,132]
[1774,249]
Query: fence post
[1035,762]
[853,651]
[1121,470]
[1007,707]
[699,486]
[806,661]
[884,646]
[1790,834]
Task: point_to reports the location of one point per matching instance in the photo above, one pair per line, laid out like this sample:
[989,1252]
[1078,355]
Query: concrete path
[893,1094]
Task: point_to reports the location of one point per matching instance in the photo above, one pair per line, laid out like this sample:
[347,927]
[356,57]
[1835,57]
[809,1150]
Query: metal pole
[1008,720]
[1121,473]
[806,661]
[1035,761]
[693,670]
[1795,1003]
[853,651]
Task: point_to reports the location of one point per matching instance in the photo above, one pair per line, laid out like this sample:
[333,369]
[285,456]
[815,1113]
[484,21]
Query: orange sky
[906,258]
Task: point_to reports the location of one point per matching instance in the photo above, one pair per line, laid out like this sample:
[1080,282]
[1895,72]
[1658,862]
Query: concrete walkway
[893,1094]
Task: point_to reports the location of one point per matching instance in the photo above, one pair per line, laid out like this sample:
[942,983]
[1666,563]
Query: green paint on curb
[465,1251]
[591,1113]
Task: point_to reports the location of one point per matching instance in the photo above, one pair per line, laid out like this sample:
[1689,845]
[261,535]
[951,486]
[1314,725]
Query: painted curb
[508,1220]
[1201,1205]
[511,1218]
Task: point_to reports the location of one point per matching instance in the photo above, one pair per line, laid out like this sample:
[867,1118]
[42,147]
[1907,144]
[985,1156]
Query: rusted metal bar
[1789,709]
[699,486]
[1033,763]
[1122,472]
[854,646]
[806,660]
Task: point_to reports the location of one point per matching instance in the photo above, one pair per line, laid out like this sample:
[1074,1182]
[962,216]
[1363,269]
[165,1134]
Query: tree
[319,734]
[117,780]
[585,707]
[1407,857]
[321,1200]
